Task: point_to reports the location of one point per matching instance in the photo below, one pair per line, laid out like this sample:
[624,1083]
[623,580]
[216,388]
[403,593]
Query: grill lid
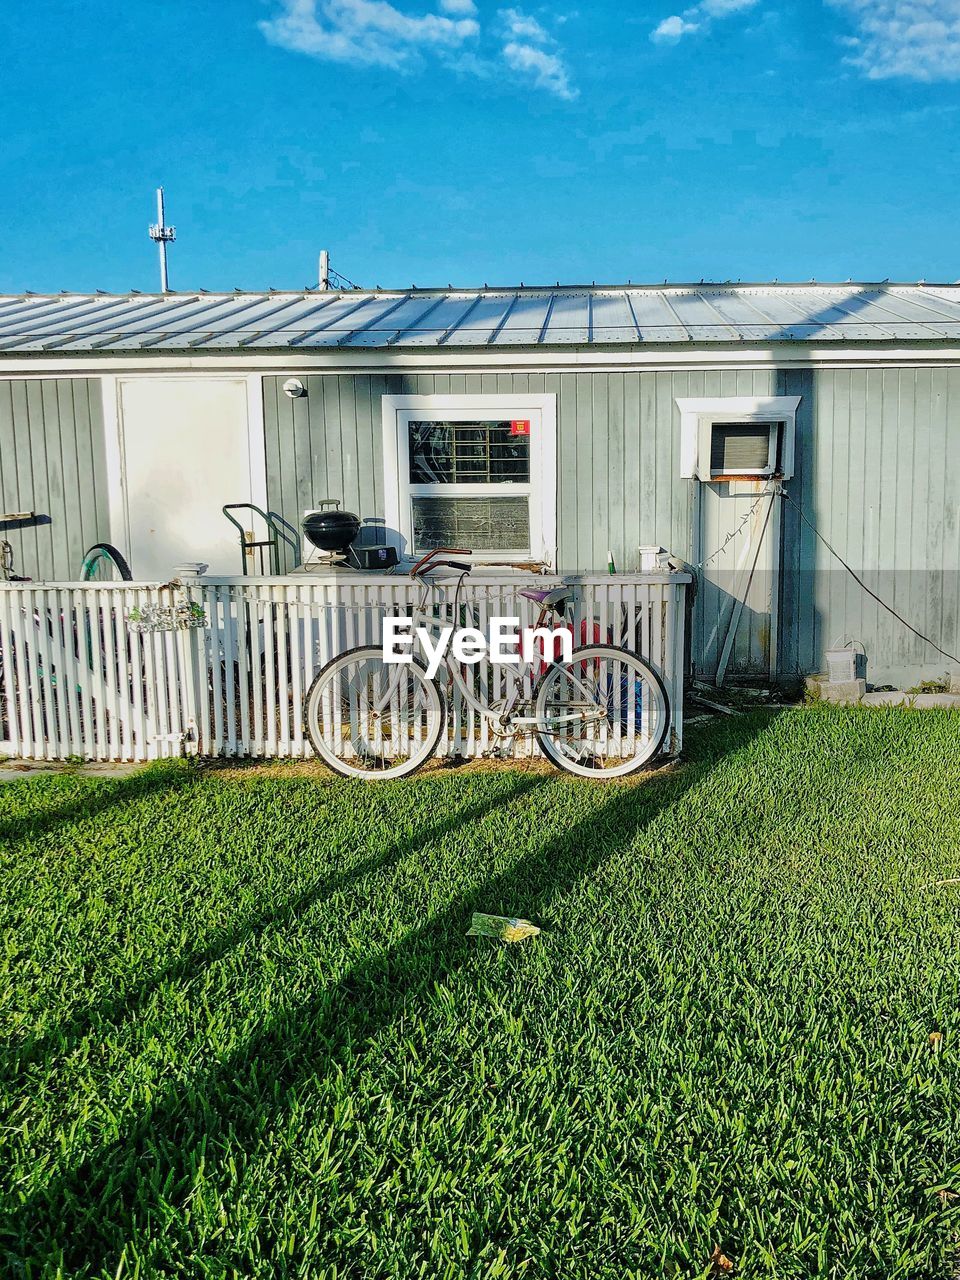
[331,530]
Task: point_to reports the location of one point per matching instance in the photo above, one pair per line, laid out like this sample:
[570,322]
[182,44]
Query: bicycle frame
[506,724]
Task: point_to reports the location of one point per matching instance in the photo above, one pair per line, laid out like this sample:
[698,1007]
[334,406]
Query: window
[470,452]
[744,448]
[473,472]
[492,456]
[738,436]
[476,524]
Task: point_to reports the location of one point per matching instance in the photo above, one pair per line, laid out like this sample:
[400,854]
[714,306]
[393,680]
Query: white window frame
[541,492]
[697,419]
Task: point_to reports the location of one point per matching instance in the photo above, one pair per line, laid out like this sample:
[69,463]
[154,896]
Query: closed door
[185,454]
[735,614]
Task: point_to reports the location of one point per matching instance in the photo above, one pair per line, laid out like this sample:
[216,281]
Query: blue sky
[470,141]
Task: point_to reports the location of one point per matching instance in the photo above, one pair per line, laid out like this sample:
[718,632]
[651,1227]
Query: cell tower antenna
[163,235]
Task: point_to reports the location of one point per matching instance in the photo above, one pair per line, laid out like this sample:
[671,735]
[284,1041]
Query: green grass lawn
[243,1033]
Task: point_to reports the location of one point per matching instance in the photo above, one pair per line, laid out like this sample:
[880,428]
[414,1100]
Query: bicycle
[603,714]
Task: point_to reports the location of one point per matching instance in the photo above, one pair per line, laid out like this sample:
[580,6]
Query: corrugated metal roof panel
[612,320]
[936,302]
[569,319]
[398,316]
[656,317]
[523,317]
[524,323]
[479,321]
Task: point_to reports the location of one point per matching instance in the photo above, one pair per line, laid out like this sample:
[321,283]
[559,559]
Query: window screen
[480,524]
[468,453]
[740,447]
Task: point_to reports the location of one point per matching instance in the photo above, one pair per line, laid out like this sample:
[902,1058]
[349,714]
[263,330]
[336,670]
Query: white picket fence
[78,679]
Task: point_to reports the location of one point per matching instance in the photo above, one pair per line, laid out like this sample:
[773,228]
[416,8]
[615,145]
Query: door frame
[770,528]
[120,534]
[699,412]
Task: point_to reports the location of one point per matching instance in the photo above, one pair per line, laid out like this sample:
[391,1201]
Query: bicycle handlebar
[445,564]
[424,561]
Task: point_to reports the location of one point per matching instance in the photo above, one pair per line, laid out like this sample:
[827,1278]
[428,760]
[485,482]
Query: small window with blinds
[744,448]
[469,485]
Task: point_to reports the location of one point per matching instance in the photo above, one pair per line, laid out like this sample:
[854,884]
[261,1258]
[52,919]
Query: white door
[185,453]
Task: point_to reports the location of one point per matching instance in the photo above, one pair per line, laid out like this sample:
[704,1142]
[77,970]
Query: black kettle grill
[331,531]
[336,532]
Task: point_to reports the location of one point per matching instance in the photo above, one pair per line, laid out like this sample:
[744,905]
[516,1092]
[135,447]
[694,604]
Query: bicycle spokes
[604,714]
[369,719]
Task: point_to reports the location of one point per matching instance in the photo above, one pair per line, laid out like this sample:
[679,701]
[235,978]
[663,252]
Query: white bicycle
[603,714]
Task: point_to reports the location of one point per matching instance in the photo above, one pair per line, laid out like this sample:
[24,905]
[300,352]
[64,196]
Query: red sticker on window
[520,427]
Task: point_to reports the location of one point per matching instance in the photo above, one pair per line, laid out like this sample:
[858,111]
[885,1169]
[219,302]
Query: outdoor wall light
[293,388]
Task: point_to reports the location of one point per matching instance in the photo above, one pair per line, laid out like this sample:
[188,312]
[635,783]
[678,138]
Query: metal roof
[503,317]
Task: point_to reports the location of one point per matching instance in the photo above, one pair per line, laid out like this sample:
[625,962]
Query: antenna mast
[162,234]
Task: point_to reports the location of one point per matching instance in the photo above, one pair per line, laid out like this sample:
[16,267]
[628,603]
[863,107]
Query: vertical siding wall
[878,472]
[52,462]
[618,444]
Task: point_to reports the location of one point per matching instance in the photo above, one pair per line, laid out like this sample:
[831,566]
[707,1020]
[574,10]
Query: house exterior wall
[618,461]
[52,462]
[877,472]
[879,476]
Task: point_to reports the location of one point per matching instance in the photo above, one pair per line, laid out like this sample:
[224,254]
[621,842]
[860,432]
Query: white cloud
[720,8]
[530,49]
[522,26]
[672,29]
[365,32]
[548,69]
[909,39]
[377,33]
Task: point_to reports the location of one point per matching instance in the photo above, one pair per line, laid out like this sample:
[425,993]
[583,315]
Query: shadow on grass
[92,800]
[60,1039]
[123,1193]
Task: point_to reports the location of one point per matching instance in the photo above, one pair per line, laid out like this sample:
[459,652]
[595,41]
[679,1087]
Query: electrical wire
[730,536]
[342,281]
[860,583]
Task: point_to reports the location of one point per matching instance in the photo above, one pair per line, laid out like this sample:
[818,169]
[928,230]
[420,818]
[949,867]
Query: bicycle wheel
[367,719]
[602,715]
[104,563]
